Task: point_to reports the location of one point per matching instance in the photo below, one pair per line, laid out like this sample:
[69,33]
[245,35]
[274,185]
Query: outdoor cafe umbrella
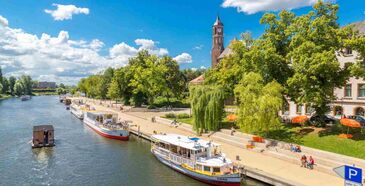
[232,117]
[349,123]
[299,119]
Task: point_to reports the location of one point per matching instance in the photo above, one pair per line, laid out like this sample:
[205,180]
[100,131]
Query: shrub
[170,115]
[162,102]
[183,115]
[151,107]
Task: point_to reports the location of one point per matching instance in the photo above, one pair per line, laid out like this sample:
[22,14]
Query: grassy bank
[325,139]
[5,96]
[318,138]
[44,93]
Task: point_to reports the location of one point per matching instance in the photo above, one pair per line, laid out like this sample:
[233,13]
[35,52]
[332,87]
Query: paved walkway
[274,166]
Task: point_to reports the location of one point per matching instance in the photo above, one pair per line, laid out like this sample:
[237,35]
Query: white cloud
[150,46]
[122,49]
[254,6]
[3,21]
[198,47]
[64,12]
[61,59]
[183,58]
[203,67]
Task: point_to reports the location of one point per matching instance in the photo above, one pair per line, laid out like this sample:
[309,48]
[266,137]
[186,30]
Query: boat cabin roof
[42,127]
[214,161]
[101,113]
[192,143]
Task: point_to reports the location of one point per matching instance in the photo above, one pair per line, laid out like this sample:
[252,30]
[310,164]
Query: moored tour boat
[107,125]
[78,108]
[196,158]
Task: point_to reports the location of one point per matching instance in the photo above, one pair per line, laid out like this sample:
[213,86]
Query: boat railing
[181,160]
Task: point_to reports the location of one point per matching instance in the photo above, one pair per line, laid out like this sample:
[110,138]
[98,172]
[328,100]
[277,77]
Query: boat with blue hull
[196,158]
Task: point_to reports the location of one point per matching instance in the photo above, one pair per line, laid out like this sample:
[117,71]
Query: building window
[299,109]
[348,90]
[286,108]
[338,110]
[359,111]
[361,88]
[309,109]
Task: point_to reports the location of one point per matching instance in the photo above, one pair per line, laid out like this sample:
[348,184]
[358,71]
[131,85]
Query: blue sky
[179,27]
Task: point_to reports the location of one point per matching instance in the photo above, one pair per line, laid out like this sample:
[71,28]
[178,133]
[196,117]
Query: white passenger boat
[77,111]
[196,158]
[107,125]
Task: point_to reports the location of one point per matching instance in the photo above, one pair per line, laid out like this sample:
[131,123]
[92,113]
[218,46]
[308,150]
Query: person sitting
[303,160]
[298,149]
[292,148]
[310,162]
[174,123]
[232,130]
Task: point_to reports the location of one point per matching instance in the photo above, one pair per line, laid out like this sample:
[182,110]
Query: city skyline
[68,40]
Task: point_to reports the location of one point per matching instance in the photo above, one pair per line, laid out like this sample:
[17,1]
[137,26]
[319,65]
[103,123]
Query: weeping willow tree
[207,103]
[259,104]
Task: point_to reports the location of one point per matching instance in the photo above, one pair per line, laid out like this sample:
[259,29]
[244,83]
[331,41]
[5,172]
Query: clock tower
[217,47]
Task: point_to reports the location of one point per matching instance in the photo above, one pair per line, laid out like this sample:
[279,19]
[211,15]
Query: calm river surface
[80,157]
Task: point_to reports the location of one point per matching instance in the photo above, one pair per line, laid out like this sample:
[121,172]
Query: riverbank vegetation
[146,80]
[15,87]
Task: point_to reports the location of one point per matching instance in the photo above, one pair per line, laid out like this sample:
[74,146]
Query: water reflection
[43,155]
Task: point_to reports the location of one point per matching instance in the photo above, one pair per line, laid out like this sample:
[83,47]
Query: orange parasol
[349,123]
[232,117]
[299,119]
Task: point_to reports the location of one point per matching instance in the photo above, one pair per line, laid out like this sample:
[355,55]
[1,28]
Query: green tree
[119,86]
[147,76]
[315,39]
[12,81]
[61,91]
[19,88]
[1,75]
[106,79]
[5,84]
[207,103]
[62,86]
[173,81]
[259,104]
[27,83]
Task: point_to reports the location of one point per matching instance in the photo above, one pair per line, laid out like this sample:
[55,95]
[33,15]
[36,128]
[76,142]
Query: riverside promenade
[287,171]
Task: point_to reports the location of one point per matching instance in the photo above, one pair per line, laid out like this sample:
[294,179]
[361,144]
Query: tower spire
[218,21]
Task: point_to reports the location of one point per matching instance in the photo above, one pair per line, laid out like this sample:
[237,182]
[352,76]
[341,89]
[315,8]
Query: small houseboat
[196,158]
[25,97]
[107,125]
[43,136]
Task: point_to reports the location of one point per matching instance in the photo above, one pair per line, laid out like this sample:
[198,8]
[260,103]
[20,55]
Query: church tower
[217,47]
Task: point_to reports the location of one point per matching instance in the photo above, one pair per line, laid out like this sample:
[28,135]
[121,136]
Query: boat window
[216,169]
[198,167]
[173,148]
[206,168]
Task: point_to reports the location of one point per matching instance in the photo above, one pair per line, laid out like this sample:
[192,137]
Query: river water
[80,157]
